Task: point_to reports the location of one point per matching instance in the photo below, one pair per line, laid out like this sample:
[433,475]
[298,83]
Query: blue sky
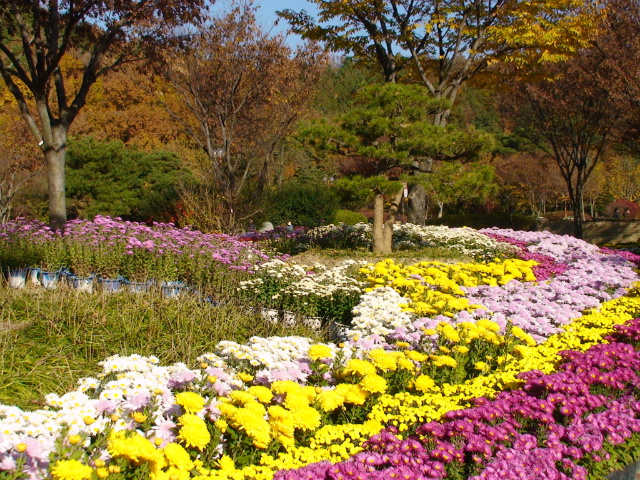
[268,7]
[267,13]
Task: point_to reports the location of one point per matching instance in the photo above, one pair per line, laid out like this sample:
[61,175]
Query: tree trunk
[440,209]
[383,231]
[417,205]
[378,225]
[55,156]
[7,191]
[577,216]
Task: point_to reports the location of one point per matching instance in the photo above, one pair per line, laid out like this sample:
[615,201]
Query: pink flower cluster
[111,238]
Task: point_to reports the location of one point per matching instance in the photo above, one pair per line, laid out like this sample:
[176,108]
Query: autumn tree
[20,161]
[442,44]
[241,90]
[569,117]
[620,175]
[446,42]
[617,47]
[123,106]
[36,36]
[533,180]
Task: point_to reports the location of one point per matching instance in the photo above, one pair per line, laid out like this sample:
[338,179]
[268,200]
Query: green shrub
[109,178]
[348,217]
[487,220]
[302,204]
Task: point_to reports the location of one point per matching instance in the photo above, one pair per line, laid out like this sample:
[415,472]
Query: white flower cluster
[132,363]
[126,385]
[274,270]
[465,241]
[358,235]
[302,280]
[325,282]
[378,314]
[264,352]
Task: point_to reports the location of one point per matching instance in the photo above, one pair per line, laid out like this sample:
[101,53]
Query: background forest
[447,122]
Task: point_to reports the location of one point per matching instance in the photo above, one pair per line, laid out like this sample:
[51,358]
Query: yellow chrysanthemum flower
[296,400]
[177,456]
[317,352]
[227,464]
[521,350]
[406,364]
[352,393]
[373,383]
[449,332]
[263,394]
[383,360]
[424,383]
[329,400]
[281,387]
[488,325]
[522,335]
[360,367]
[241,397]
[70,470]
[416,356]
[190,401]
[134,447]
[482,366]
[444,360]
[281,420]
[193,431]
[306,418]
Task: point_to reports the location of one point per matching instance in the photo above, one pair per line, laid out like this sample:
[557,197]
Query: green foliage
[363,189]
[392,125]
[339,85]
[348,217]
[476,106]
[302,204]
[109,178]
[487,220]
[453,182]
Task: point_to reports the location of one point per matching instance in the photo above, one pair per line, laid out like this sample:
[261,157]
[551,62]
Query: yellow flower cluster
[193,431]
[318,352]
[245,410]
[434,287]
[583,333]
[172,462]
[190,401]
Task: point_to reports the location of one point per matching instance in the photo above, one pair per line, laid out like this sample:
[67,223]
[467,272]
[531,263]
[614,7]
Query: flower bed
[109,247]
[561,425]
[276,404]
